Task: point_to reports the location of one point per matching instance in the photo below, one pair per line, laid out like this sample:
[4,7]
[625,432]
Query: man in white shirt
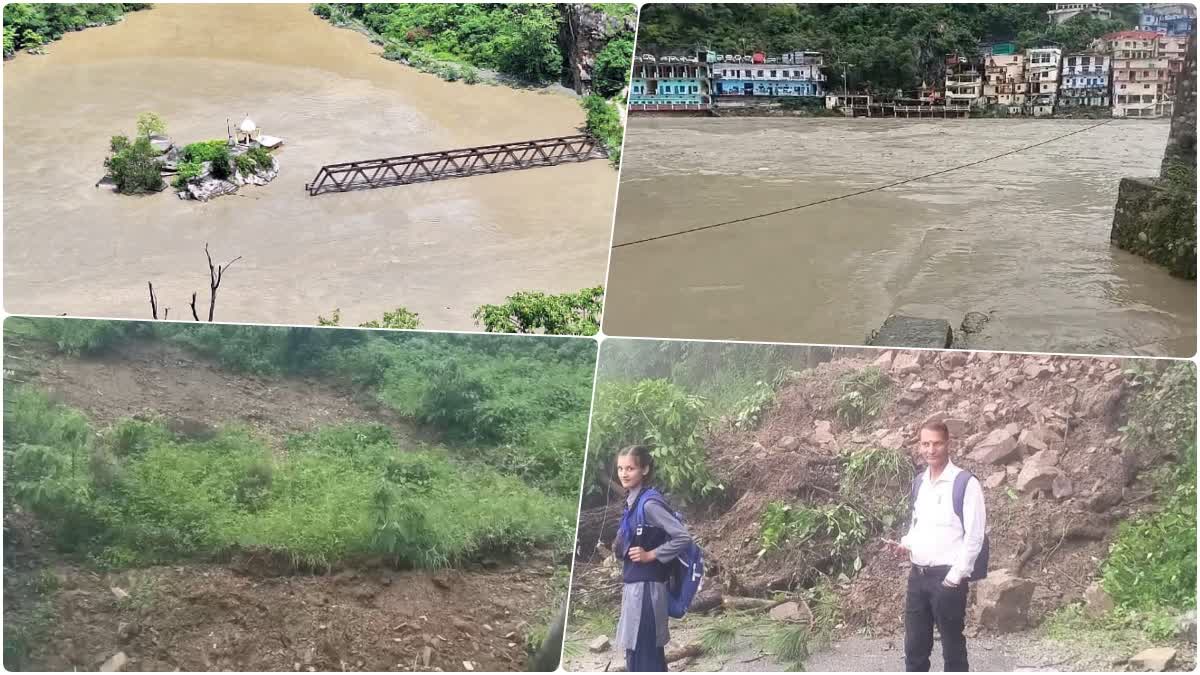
[942,547]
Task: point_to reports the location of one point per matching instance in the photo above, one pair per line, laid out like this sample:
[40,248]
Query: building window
[760,73]
[773,73]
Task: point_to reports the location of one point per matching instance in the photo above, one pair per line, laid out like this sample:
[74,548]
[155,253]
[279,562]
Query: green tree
[150,124]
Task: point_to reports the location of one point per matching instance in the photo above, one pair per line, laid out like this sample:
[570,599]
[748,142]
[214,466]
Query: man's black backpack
[959,495]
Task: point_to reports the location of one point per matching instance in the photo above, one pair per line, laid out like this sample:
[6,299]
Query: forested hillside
[890,46]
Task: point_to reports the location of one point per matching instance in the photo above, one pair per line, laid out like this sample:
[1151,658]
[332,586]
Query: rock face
[1002,602]
[583,34]
[997,447]
[206,188]
[1155,659]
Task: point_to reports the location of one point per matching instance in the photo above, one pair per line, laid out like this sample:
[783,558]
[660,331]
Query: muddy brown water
[440,249]
[1024,237]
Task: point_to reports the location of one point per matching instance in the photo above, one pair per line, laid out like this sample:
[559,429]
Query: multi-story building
[1064,12]
[1085,80]
[792,74]
[1173,49]
[964,81]
[1140,76]
[671,83]
[1168,19]
[1004,81]
[1041,74]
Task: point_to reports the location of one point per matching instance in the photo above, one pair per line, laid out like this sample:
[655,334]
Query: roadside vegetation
[1150,571]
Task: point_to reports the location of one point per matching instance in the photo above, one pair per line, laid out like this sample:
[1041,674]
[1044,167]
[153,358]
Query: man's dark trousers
[929,603]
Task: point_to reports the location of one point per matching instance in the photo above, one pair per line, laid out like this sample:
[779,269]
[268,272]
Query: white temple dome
[247,126]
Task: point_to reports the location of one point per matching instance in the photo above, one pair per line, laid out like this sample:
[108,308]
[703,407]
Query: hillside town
[1129,73]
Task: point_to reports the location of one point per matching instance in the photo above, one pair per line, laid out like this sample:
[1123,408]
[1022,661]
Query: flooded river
[1024,237]
[440,249]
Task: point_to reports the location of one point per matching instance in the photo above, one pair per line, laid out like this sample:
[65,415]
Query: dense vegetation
[517,403]
[30,26]
[136,494]
[887,46]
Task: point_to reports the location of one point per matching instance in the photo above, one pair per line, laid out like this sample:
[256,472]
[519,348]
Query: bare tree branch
[193,303]
[214,280]
[153,302]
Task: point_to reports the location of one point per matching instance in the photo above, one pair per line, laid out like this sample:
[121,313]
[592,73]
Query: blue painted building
[1085,80]
[671,83]
[1172,20]
[792,74]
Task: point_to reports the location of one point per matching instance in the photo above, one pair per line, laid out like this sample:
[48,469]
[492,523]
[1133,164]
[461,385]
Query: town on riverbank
[1087,62]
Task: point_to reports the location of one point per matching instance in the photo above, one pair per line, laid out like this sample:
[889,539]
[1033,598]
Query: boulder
[1032,440]
[1039,472]
[911,399]
[884,360]
[598,645]
[789,443]
[953,359]
[1097,601]
[906,362]
[1155,659]
[822,432]
[115,663]
[995,480]
[1002,602]
[204,189]
[997,447]
[1035,370]
[944,385]
[788,611]
[1062,487]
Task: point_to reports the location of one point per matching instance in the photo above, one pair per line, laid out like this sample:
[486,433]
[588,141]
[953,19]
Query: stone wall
[1181,145]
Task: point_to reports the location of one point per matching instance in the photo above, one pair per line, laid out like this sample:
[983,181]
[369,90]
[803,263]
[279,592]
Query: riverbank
[30,27]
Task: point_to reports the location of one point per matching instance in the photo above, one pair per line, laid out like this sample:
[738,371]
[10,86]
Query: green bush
[31,25]
[663,416]
[82,336]
[604,122]
[399,318]
[261,158]
[204,151]
[222,164]
[135,167]
[861,395]
[534,311]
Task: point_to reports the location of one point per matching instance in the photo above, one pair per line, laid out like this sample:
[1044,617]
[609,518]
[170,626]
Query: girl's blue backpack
[686,571]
